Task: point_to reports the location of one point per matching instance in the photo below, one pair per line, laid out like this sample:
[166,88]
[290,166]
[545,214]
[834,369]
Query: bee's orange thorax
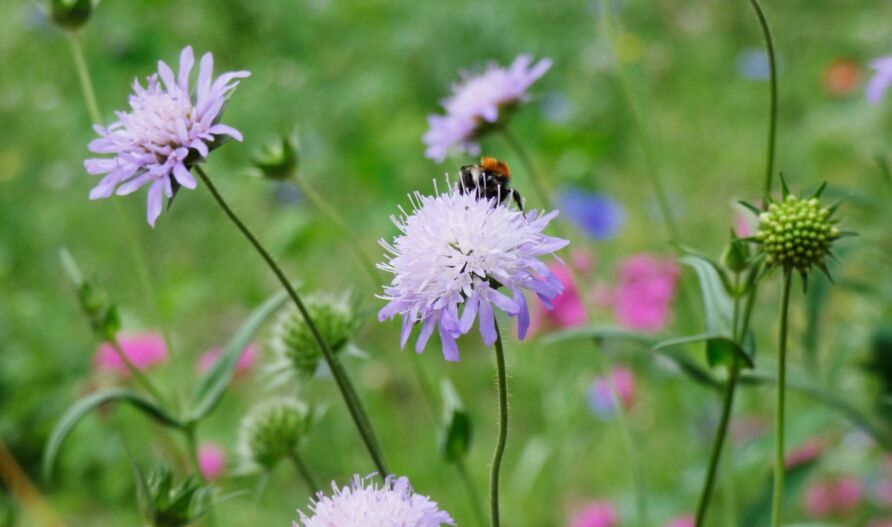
[491,163]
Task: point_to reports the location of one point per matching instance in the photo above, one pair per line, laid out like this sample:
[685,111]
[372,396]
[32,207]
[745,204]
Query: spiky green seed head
[796,233]
[294,344]
[272,430]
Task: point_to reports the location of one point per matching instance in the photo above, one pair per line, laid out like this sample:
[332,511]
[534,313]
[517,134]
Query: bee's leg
[518,200]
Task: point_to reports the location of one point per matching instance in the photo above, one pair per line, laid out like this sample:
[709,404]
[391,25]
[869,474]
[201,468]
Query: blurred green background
[357,78]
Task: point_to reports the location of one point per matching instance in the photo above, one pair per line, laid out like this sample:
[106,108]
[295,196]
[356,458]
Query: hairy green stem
[778,494]
[638,125]
[502,384]
[368,266]
[83,75]
[354,405]
[303,470]
[772,119]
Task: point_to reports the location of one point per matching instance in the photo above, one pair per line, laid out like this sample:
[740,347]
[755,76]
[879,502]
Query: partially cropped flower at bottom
[244,364]
[601,400]
[141,349]
[365,504]
[166,131]
[645,291]
[211,461]
[458,251]
[595,514]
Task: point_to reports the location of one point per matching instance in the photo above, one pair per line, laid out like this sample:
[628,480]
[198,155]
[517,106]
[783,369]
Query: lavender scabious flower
[457,250]
[364,504]
[480,102]
[881,80]
[164,134]
[597,215]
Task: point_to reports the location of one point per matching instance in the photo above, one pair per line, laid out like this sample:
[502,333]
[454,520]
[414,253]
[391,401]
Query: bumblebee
[490,179]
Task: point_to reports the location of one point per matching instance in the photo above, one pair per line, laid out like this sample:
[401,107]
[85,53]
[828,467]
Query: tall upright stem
[502,384]
[721,433]
[83,75]
[354,405]
[304,471]
[638,125]
[772,117]
[778,495]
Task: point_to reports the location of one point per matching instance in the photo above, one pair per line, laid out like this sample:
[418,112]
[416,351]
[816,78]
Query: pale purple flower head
[479,102]
[597,215]
[141,349]
[166,131]
[881,80]
[211,461]
[595,514]
[456,251]
[364,504]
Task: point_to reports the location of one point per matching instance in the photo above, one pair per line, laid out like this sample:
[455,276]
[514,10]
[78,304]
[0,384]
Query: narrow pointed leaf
[84,406]
[752,208]
[606,333]
[214,382]
[784,188]
[817,193]
[720,350]
[716,301]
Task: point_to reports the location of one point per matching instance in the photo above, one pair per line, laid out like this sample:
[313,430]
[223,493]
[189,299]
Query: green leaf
[214,382]
[457,431]
[720,350]
[606,333]
[714,291]
[85,405]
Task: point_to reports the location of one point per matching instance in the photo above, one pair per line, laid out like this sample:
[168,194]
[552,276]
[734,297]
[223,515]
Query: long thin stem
[136,373]
[473,497]
[538,184]
[368,266]
[502,384]
[354,405]
[727,406]
[637,123]
[772,120]
[304,472]
[778,495]
[83,75]
[192,446]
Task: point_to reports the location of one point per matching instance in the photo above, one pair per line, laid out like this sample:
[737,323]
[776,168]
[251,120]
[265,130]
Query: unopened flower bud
[736,256]
[277,159]
[71,14]
[272,430]
[295,345]
[797,233]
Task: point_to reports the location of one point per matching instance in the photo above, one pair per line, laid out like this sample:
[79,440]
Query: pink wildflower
[142,349]
[245,361]
[645,291]
[211,461]
[595,514]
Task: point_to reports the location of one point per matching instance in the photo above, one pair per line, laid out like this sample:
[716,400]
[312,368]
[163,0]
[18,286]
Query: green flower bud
[736,256]
[294,344]
[278,159]
[272,430]
[165,504]
[72,14]
[797,233]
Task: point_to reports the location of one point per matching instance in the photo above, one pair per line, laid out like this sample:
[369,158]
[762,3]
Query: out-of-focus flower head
[647,285]
[595,514]
[881,80]
[245,361]
[568,309]
[754,64]
[211,461]
[142,349]
[597,215]
[166,131]
[601,393]
[456,250]
[805,453]
[682,521]
[479,103]
[841,76]
[272,430]
[365,504]
[833,497]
